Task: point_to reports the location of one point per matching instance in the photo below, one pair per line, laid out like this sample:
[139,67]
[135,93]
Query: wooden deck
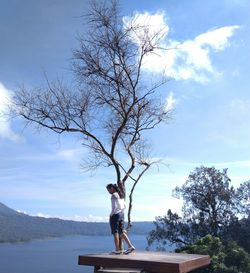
[157,262]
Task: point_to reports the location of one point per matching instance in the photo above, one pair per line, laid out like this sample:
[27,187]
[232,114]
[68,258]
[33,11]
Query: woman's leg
[125,237]
[121,245]
[114,220]
[117,241]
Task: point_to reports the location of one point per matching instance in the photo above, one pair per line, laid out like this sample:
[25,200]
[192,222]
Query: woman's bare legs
[125,237]
[117,241]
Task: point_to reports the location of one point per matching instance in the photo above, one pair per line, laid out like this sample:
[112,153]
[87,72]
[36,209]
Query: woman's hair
[109,186]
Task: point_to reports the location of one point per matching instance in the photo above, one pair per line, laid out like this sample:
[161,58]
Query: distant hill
[17,227]
[4,210]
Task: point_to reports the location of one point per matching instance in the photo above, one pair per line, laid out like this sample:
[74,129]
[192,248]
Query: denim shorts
[116,223]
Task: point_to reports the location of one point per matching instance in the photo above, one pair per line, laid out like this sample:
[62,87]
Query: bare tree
[112,104]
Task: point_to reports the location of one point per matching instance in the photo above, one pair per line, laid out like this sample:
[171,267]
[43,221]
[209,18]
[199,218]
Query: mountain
[17,227]
[4,210]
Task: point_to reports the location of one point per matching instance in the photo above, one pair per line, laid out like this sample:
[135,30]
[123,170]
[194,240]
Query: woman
[116,220]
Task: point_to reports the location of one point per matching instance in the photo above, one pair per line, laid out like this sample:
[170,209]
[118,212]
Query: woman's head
[112,188]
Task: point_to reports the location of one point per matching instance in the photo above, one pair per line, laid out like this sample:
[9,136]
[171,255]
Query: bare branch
[110,106]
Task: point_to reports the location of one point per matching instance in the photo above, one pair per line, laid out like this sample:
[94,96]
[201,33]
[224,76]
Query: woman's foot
[129,250]
[116,252]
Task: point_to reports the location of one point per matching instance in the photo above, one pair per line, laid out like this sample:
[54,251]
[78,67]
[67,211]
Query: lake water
[59,255]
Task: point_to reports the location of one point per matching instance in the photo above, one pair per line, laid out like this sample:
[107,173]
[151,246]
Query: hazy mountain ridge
[17,227]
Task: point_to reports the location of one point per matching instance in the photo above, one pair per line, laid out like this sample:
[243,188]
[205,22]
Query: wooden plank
[160,262]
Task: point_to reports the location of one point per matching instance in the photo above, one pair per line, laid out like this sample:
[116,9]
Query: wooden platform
[157,262]
[117,270]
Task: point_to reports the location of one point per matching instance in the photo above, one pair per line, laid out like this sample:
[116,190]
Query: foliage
[243,195]
[171,229]
[239,231]
[211,206]
[112,102]
[225,257]
[208,199]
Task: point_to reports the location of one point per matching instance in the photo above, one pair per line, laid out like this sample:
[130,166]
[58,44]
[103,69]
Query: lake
[58,255]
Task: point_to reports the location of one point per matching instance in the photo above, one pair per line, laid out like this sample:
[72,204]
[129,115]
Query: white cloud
[70,154]
[193,57]
[78,218]
[24,212]
[153,26]
[170,102]
[158,206]
[89,218]
[5,128]
[187,60]
[217,38]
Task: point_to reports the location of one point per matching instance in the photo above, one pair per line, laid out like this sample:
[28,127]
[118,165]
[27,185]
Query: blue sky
[40,172]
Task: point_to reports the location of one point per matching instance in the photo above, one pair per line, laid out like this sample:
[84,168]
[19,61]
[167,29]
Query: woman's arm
[122,189]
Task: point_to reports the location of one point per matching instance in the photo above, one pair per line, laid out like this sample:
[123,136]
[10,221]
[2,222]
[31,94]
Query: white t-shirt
[117,204]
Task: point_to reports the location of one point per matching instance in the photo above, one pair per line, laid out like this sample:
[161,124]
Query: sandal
[129,250]
[116,252]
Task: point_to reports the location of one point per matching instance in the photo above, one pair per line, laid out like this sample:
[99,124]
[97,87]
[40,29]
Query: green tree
[208,199]
[112,103]
[239,231]
[172,229]
[210,206]
[225,257]
[243,197]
